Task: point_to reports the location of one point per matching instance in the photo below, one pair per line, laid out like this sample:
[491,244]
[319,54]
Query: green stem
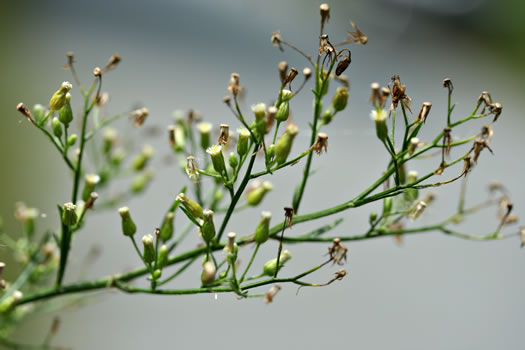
[250,263]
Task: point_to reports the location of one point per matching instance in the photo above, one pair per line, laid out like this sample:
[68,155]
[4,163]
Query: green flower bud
[69,214]
[205,132]
[156,274]
[387,205]
[163,256]
[118,156]
[233,160]
[89,185]
[327,117]
[71,140]
[65,114]
[9,302]
[58,100]
[128,226]
[109,138]
[411,194]
[217,158]
[259,110]
[242,143]
[140,181]
[284,145]
[149,248]
[271,265]
[39,112]
[340,99]
[193,207]
[379,116]
[283,112]
[207,227]
[326,85]
[208,273]
[57,127]
[167,229]
[256,195]
[372,218]
[142,159]
[231,248]
[262,232]
[270,151]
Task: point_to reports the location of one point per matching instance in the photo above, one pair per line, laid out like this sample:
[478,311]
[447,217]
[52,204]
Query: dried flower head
[288,216]
[191,169]
[234,86]
[479,145]
[423,113]
[70,60]
[375,94]
[414,144]
[485,98]
[324,9]
[224,134]
[283,71]
[337,252]
[343,64]
[398,92]
[447,84]
[97,72]
[290,77]
[357,37]
[447,141]
[495,108]
[416,210]
[276,40]
[272,293]
[320,144]
[114,60]
[22,108]
[487,132]
[139,116]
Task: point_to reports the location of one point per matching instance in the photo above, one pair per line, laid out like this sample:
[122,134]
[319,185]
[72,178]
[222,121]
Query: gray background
[433,292]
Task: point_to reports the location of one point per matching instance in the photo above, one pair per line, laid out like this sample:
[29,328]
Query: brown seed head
[321,143]
[288,216]
[224,134]
[291,76]
[343,64]
[22,108]
[70,60]
[234,87]
[337,252]
[357,37]
[485,98]
[495,109]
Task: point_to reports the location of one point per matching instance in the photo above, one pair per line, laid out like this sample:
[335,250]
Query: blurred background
[432,291]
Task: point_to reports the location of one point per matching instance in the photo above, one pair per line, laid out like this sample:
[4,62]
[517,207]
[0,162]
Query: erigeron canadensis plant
[235,174]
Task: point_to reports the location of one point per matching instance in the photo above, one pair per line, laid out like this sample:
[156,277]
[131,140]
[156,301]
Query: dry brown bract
[271,293]
[398,92]
[321,143]
[357,37]
[338,252]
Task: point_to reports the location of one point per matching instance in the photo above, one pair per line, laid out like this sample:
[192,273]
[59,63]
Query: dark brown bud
[485,98]
[291,76]
[447,83]
[22,108]
[342,65]
[70,60]
[288,216]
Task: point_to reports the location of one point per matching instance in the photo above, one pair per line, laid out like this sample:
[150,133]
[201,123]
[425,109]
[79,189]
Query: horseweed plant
[229,171]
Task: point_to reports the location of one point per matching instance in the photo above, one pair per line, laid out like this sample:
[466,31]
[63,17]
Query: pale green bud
[69,214]
[205,132]
[242,143]
[167,227]
[149,248]
[9,302]
[65,114]
[259,110]
[271,265]
[286,95]
[372,218]
[387,205]
[340,99]
[71,140]
[327,117]
[379,116]
[57,127]
[192,207]
[207,227]
[128,226]
[231,248]
[208,273]
[118,156]
[140,181]
[142,159]
[262,232]
[283,112]
[217,158]
[110,138]
[156,274]
[58,99]
[256,195]
[284,144]
[163,256]
[233,160]
[411,194]
[270,152]
[39,112]
[89,185]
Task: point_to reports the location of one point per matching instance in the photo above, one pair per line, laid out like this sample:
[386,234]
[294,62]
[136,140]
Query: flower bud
[423,113]
[232,159]
[340,99]
[217,158]
[414,143]
[57,127]
[9,302]
[208,273]
[417,210]
[58,100]
[259,110]
[411,194]
[65,114]
[163,256]
[69,214]
[256,196]
[71,140]
[205,132]
[118,156]
[283,69]
[207,227]
[307,72]
[372,218]
[149,248]
[90,182]
[342,65]
[109,137]
[140,181]
[327,117]
[192,207]
[142,159]
[177,137]
[231,248]
[387,206]
[284,145]
[39,113]
[167,229]
[128,226]
[283,112]
[324,9]
[242,142]
[271,265]
[379,116]
[262,232]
